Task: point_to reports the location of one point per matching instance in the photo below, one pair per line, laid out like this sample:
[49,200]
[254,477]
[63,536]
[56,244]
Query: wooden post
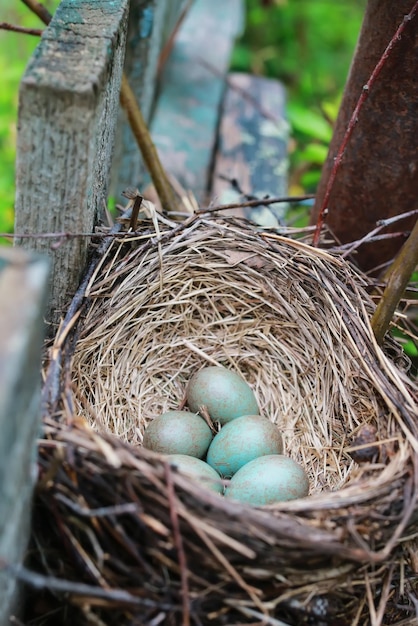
[151,22]
[378,177]
[68,103]
[23,283]
[252,147]
[186,117]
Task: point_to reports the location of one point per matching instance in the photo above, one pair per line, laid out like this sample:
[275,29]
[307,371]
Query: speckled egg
[242,440]
[197,470]
[224,393]
[268,479]
[178,432]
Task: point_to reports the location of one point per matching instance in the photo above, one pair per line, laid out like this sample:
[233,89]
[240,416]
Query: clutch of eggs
[248,449]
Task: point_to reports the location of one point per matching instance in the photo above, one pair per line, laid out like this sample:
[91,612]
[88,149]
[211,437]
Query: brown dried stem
[39,10]
[20,29]
[38,581]
[179,545]
[399,275]
[149,153]
[354,119]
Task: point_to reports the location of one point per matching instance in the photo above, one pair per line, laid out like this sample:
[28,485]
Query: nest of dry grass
[128,539]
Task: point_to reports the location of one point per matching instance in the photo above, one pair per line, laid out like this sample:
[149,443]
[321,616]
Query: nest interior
[294,321]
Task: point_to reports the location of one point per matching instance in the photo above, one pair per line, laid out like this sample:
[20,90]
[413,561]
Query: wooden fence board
[68,103]
[150,25]
[252,146]
[187,111]
[23,285]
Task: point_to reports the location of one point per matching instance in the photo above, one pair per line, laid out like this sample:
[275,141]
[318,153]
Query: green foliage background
[15,50]
[308,44]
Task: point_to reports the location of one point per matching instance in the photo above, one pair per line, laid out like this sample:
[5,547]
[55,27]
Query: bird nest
[122,537]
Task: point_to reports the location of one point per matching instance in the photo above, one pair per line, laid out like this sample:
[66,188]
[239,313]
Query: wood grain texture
[252,147]
[187,112]
[23,278]
[68,103]
[150,24]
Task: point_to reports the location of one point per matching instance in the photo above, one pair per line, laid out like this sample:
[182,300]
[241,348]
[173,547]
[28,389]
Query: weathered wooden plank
[150,25]
[23,285]
[187,112]
[68,103]
[252,146]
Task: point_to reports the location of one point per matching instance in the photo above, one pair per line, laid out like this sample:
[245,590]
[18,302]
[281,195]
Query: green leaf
[310,180]
[314,153]
[309,123]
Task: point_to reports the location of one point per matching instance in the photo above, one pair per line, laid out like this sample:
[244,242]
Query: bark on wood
[68,103]
[378,177]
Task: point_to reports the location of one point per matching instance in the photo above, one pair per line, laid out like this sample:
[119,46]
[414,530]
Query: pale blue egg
[178,432]
[268,479]
[242,440]
[197,470]
[224,393]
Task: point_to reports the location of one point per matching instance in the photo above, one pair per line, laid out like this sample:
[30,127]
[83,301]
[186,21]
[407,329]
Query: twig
[135,199]
[137,234]
[166,51]
[62,236]
[255,203]
[51,387]
[246,95]
[354,119]
[21,29]
[263,619]
[39,10]
[104,511]
[371,237]
[396,218]
[165,192]
[398,276]
[179,545]
[39,581]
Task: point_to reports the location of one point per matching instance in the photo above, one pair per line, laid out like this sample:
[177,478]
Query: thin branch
[37,32]
[179,545]
[166,51]
[39,581]
[149,153]
[63,236]
[246,95]
[39,10]
[104,511]
[398,276]
[135,199]
[354,119]
[371,237]
[255,203]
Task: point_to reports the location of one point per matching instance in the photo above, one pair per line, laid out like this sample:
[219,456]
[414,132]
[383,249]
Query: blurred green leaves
[308,45]
[15,51]
[308,122]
